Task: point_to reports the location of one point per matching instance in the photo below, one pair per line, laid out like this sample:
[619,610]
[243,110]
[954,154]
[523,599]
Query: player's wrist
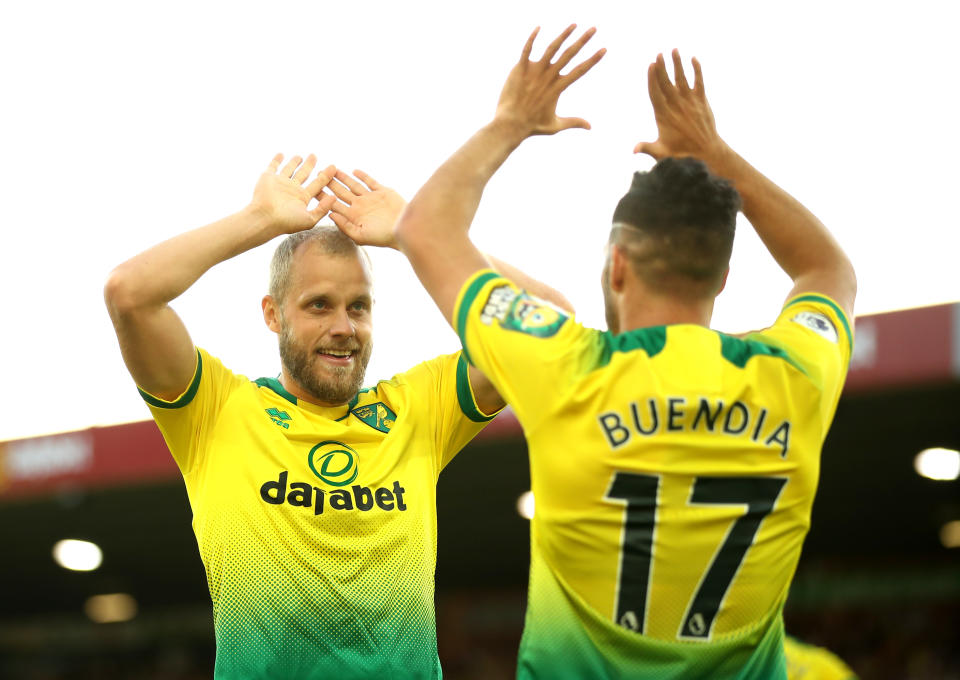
[261,218]
[720,158]
[510,128]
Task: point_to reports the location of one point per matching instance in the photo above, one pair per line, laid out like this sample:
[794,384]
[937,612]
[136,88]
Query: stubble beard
[343,382]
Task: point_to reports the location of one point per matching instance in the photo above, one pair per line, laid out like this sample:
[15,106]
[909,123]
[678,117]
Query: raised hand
[366,211]
[684,120]
[529,97]
[283,197]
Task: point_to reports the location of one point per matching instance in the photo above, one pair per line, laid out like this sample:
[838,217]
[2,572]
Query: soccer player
[674,467]
[313,500]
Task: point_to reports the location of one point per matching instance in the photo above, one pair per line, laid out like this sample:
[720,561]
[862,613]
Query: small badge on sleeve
[498,304]
[819,324]
[534,316]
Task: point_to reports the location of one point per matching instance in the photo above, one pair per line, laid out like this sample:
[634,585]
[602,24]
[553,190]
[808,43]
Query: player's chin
[341,382]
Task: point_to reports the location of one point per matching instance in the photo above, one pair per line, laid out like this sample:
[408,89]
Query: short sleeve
[186,421]
[816,333]
[441,394]
[527,348]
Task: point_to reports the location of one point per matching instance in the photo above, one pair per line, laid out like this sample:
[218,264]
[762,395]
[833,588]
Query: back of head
[676,225]
[331,242]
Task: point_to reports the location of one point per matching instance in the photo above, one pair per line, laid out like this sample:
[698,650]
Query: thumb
[655,149]
[569,123]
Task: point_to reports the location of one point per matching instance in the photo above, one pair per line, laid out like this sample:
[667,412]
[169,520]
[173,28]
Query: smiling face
[324,324]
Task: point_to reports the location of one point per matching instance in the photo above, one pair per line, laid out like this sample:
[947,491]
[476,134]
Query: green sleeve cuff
[465,394]
[184,398]
[465,300]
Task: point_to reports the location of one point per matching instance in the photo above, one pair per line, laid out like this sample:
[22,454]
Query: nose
[342,325]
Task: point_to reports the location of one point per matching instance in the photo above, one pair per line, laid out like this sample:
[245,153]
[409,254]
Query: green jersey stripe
[833,305]
[184,398]
[651,340]
[465,395]
[739,351]
[466,303]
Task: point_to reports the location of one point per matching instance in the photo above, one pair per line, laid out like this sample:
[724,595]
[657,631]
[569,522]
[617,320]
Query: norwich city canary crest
[378,416]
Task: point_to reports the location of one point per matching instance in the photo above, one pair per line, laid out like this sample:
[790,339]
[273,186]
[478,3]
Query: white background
[125,123]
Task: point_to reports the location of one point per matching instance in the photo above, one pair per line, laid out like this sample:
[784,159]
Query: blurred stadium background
[878,583]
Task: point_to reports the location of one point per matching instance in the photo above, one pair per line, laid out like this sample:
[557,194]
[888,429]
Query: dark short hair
[686,217]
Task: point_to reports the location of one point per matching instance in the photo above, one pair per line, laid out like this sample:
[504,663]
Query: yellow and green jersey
[808,662]
[673,471]
[317,526]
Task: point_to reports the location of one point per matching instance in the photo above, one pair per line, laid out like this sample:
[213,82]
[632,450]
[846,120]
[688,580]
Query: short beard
[345,382]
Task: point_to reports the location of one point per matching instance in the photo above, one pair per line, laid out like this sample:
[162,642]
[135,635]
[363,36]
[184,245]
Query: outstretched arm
[432,231]
[367,212]
[155,344]
[798,241]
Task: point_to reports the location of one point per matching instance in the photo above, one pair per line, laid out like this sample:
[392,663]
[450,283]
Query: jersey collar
[332,412]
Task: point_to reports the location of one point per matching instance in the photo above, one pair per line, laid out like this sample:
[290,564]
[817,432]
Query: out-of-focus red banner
[904,348]
[98,457]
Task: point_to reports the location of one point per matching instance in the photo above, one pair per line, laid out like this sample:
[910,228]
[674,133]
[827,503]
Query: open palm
[365,210]
[284,196]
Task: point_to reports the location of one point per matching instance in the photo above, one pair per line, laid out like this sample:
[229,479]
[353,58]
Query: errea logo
[279,417]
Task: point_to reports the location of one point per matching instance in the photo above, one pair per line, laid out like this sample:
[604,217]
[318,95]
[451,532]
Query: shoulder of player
[209,370]
[816,318]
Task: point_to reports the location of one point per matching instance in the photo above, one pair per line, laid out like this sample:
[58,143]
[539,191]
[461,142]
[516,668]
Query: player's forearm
[445,206]
[798,241]
[432,231]
[530,284]
[158,275]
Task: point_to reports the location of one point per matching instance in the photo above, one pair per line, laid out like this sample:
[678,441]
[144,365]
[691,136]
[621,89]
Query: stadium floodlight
[77,555]
[111,608]
[525,505]
[940,464]
[950,534]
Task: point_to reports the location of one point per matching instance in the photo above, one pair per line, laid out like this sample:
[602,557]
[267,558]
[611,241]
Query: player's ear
[618,265]
[723,281]
[271,314]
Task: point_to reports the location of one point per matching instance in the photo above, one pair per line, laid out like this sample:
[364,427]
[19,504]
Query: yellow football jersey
[807,662]
[317,526]
[673,471]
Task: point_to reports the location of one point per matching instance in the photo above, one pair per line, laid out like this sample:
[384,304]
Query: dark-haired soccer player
[313,500]
[674,467]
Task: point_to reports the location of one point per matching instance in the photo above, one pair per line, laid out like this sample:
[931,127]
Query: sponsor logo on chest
[335,464]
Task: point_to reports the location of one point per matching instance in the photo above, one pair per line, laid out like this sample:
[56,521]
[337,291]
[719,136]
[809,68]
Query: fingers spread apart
[352,184]
[303,172]
[555,45]
[367,179]
[572,51]
[659,83]
[678,73]
[291,166]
